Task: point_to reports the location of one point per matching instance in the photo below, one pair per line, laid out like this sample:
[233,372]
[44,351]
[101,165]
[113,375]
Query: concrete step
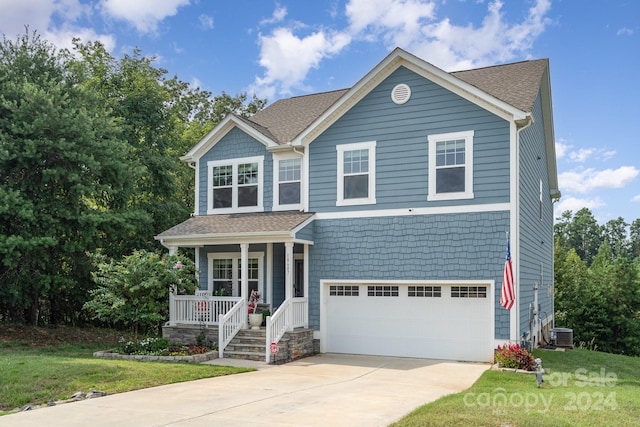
[246,355]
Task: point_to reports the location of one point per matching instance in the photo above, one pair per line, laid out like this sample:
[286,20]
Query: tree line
[89,161]
[597,281]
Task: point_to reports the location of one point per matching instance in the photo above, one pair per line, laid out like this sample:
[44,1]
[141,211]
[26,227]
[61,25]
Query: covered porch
[239,253]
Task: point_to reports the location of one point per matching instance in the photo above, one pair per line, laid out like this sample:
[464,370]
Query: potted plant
[255,319]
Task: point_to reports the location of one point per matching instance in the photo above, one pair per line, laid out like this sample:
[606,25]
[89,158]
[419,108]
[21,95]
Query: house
[376,217]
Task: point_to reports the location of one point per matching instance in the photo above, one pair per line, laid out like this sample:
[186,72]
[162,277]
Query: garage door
[440,321]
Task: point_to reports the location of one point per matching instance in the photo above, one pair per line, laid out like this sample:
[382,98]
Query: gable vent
[401,93]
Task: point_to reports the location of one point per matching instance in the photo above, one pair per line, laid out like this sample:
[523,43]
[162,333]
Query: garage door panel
[434,327]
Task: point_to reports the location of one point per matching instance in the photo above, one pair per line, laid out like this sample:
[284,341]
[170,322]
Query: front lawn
[36,374]
[582,388]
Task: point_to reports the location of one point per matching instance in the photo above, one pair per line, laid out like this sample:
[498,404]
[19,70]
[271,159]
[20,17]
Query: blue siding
[422,247]
[402,152]
[536,235]
[306,233]
[236,144]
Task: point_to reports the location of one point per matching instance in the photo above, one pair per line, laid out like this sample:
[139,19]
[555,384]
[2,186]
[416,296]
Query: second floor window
[356,174]
[289,181]
[236,185]
[451,166]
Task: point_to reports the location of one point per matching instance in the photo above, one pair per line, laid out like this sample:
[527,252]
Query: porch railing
[292,313]
[230,324]
[198,309]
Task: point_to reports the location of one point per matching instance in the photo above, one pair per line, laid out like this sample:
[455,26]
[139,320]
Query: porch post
[288,281]
[269,270]
[244,272]
[172,250]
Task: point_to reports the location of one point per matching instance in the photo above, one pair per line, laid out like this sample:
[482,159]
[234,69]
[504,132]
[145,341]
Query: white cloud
[581,155]
[278,16]
[562,148]
[587,180]
[414,26]
[144,15]
[625,31]
[574,204]
[636,198]
[39,15]
[288,58]
[206,22]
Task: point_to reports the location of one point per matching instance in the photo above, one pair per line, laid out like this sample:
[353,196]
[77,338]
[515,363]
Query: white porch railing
[198,309]
[230,324]
[292,313]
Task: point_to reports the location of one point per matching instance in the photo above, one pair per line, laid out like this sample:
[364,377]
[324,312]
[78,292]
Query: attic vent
[401,93]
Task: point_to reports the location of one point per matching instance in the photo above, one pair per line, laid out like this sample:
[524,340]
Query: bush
[148,346]
[515,357]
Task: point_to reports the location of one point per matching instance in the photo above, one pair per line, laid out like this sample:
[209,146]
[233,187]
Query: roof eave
[399,57]
[219,131]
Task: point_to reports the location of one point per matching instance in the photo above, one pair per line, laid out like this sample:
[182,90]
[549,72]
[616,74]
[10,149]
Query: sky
[278,49]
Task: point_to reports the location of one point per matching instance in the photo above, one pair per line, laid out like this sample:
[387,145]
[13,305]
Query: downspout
[528,121]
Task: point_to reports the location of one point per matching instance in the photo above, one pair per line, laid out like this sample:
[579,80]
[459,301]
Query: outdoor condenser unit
[562,337]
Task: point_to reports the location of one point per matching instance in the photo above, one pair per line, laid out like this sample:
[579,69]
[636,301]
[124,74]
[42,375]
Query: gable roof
[508,90]
[287,118]
[516,84]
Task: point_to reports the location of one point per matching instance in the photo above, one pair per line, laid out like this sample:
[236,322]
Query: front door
[298,278]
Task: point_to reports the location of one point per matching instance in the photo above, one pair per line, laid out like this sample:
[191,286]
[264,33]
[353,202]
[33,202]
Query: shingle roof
[262,222]
[516,84]
[286,118]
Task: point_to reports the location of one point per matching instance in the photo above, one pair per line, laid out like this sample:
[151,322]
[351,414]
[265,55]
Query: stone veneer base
[196,358]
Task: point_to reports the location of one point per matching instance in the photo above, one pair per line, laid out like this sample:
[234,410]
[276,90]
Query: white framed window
[356,174]
[451,166]
[287,179]
[225,273]
[235,185]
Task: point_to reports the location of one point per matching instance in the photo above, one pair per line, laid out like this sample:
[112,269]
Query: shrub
[514,356]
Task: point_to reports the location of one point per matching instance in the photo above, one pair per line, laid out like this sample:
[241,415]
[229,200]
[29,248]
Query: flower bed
[159,349]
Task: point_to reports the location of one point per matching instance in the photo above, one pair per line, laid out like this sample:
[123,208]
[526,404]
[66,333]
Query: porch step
[248,344]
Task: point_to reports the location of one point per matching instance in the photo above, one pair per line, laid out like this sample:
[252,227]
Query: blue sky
[284,48]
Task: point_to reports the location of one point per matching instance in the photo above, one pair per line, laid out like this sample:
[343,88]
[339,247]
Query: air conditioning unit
[562,337]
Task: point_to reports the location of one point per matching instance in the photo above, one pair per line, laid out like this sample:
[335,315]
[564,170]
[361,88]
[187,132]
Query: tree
[134,292]
[615,233]
[161,119]
[581,232]
[634,238]
[60,157]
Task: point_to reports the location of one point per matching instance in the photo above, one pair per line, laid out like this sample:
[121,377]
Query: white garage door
[452,321]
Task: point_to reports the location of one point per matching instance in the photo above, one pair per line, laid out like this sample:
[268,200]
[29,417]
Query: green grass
[582,388]
[36,376]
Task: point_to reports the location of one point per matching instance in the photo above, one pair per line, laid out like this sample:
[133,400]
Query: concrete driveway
[329,389]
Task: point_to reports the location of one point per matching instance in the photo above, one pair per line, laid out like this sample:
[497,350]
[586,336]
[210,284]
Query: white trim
[468,165]
[325,283]
[277,158]
[371,173]
[219,131]
[386,67]
[235,258]
[490,207]
[514,228]
[196,206]
[234,198]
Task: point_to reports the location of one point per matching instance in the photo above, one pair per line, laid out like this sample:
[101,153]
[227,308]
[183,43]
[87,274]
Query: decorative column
[288,281]
[244,273]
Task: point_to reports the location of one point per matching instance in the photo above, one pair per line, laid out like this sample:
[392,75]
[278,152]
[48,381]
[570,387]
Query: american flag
[507,296]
